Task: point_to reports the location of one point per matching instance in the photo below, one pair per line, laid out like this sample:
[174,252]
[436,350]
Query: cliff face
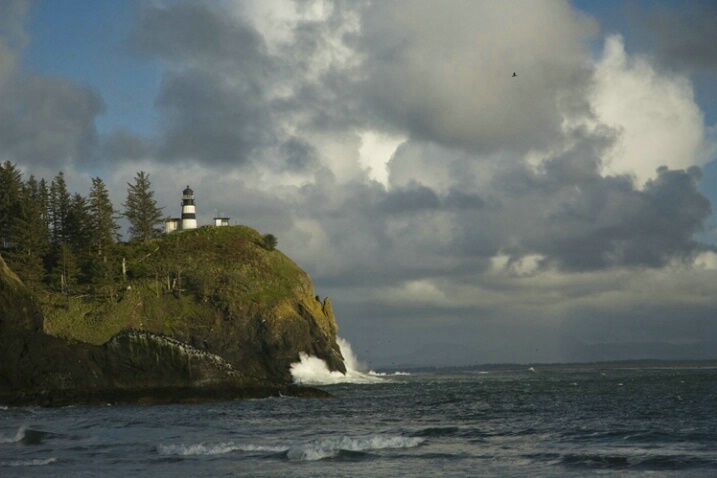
[206,309]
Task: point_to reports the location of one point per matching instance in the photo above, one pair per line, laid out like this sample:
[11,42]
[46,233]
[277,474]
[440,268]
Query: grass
[181,281]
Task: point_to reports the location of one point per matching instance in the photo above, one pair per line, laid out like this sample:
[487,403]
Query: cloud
[44,122]
[658,122]
[442,72]
[684,36]
[214,95]
[13,14]
[198,34]
[48,121]
[611,224]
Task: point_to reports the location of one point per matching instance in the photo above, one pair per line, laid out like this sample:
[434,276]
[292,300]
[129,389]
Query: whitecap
[203,449]
[17,438]
[35,462]
[331,447]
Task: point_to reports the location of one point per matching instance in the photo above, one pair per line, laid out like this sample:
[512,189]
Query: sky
[455,214]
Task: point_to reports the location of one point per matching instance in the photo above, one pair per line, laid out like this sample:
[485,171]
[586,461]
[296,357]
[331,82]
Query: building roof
[187,191]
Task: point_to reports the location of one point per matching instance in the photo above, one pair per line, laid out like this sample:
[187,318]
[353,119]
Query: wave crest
[310,451]
[19,436]
[35,462]
[331,447]
[202,449]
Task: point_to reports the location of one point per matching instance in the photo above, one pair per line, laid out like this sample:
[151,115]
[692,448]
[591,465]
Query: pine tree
[102,269]
[29,235]
[72,250]
[141,209]
[78,226]
[10,191]
[104,228]
[59,207]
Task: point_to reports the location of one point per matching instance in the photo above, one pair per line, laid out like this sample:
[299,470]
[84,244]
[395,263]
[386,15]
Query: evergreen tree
[59,207]
[102,269]
[141,209]
[66,270]
[104,228]
[44,198]
[73,249]
[10,191]
[29,235]
[78,226]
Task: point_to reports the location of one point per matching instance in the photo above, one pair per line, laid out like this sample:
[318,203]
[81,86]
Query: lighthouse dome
[188,191]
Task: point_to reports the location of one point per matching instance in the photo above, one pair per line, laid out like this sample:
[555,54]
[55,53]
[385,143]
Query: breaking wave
[202,449]
[333,447]
[35,462]
[16,439]
[310,451]
[311,370]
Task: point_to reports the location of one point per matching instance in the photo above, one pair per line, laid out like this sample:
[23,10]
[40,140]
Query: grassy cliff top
[236,257]
[181,280]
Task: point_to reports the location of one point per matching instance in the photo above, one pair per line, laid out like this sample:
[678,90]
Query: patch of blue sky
[90,46]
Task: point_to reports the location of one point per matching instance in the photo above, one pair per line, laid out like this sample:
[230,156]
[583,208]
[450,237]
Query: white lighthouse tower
[189,210]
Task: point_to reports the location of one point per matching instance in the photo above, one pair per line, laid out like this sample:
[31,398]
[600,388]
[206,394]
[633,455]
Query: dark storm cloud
[564,211]
[214,95]
[199,32]
[48,121]
[610,223]
[210,121]
[298,154]
[683,36]
[415,197]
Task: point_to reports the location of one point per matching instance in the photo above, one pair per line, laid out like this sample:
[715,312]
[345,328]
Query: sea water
[590,421]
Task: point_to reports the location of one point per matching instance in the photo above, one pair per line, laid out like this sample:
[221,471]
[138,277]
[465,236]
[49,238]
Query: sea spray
[311,370]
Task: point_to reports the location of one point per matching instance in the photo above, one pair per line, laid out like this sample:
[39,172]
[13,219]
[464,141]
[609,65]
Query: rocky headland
[206,314]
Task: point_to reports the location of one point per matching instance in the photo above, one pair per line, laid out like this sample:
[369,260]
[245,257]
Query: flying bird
[514,75]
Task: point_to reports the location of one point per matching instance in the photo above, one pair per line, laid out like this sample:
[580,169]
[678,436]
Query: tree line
[65,242]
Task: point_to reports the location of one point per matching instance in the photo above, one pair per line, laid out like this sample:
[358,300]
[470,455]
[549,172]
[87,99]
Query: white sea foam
[35,462]
[17,438]
[310,451]
[203,449]
[330,447]
[386,374]
[311,370]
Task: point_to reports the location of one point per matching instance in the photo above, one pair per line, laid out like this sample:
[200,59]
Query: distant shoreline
[605,365]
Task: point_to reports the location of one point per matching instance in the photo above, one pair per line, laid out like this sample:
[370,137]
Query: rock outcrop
[209,313]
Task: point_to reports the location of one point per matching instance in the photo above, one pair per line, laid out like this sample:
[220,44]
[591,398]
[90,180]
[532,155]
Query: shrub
[270,242]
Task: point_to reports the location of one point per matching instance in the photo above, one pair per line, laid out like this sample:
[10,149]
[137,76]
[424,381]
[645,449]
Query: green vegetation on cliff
[220,289]
[172,282]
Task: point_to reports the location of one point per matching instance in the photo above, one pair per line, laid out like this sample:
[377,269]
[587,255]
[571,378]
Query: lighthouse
[189,211]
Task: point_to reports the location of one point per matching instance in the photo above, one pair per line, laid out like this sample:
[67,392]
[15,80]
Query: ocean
[553,422]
